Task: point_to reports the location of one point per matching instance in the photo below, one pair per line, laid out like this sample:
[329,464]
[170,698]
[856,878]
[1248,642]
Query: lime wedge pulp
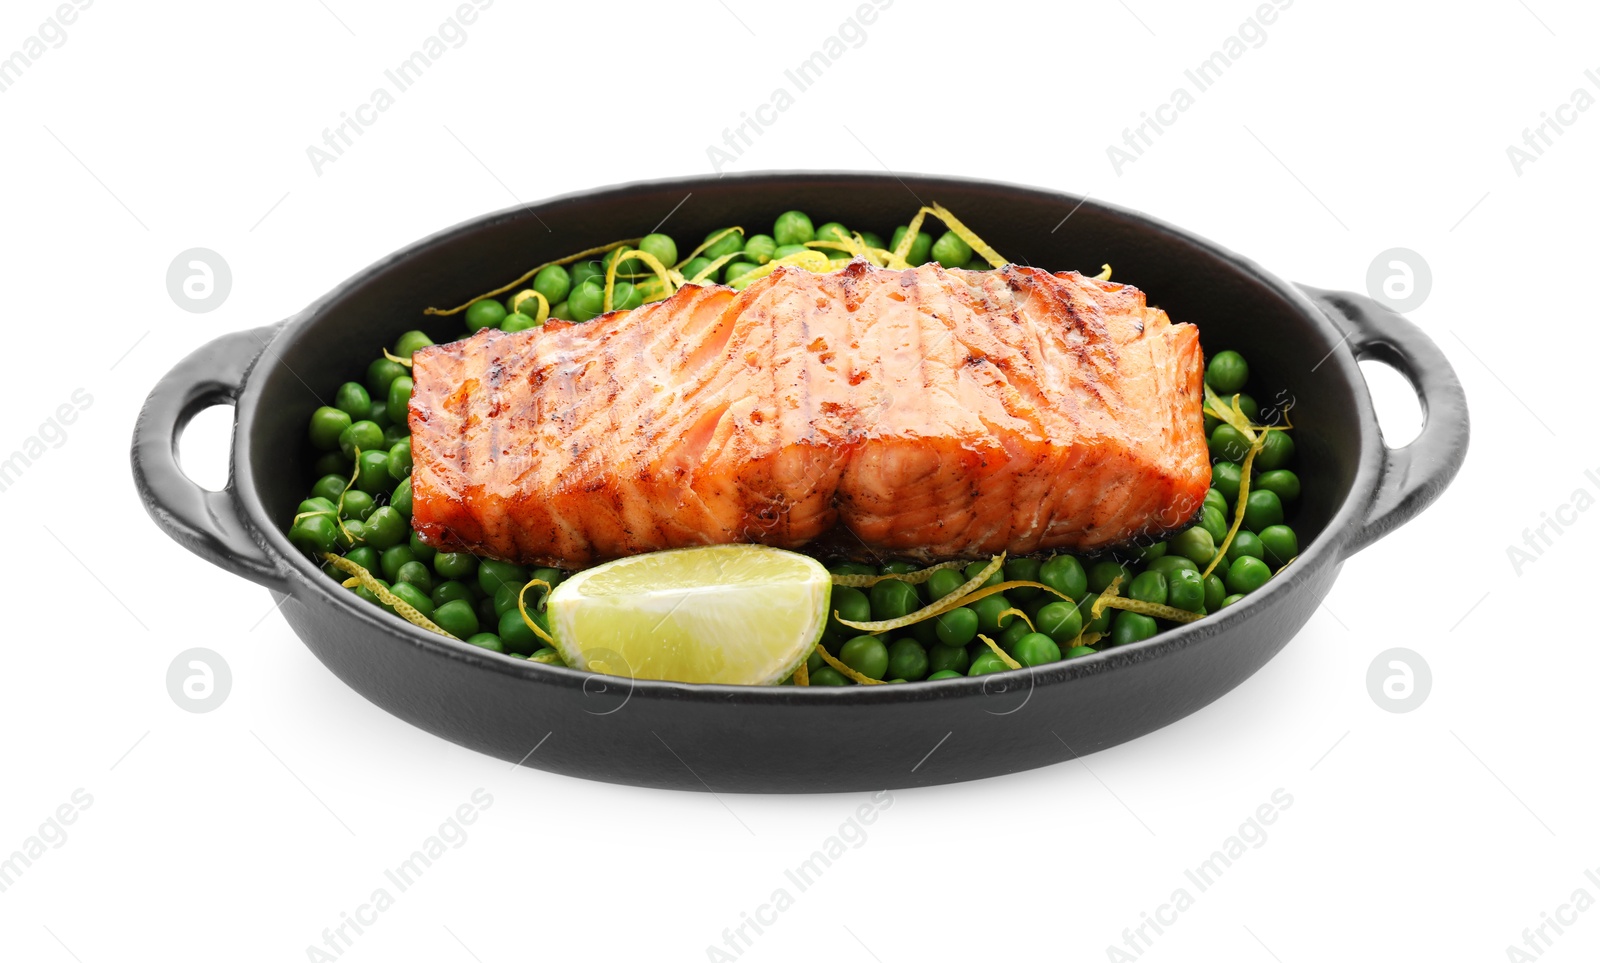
[729,614]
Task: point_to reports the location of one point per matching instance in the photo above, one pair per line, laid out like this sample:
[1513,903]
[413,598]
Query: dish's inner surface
[1055,607]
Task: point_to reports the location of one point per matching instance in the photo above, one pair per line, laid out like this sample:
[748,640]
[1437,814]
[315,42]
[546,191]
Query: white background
[242,833]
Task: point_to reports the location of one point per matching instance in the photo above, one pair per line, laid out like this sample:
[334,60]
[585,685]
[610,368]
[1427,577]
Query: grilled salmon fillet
[924,413]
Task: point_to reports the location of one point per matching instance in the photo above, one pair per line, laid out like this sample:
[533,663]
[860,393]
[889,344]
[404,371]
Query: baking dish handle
[1415,475]
[207,523]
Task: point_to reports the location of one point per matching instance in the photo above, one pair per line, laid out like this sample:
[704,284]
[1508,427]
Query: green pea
[950,250]
[587,300]
[332,463]
[957,627]
[897,568]
[1103,572]
[329,487]
[517,322]
[487,313]
[414,597]
[1194,544]
[492,574]
[943,674]
[1230,600]
[759,248]
[314,533]
[353,400]
[853,568]
[1187,591]
[1215,592]
[353,532]
[950,657]
[1169,564]
[630,268]
[921,245]
[1154,551]
[400,500]
[379,374]
[695,266]
[487,640]
[317,505]
[328,426]
[417,574]
[1022,570]
[372,472]
[828,675]
[380,411]
[661,247]
[867,655]
[1280,544]
[456,617]
[1214,523]
[393,559]
[1215,499]
[516,634]
[1280,481]
[586,271]
[733,243]
[362,436]
[385,528]
[893,599]
[853,605]
[1277,450]
[398,461]
[1228,443]
[833,231]
[1036,648]
[736,270]
[1225,481]
[1149,587]
[455,565]
[422,550]
[451,592]
[561,311]
[1011,633]
[976,263]
[394,435]
[988,661]
[793,227]
[1227,372]
[1262,509]
[1249,408]
[399,401]
[554,282]
[1060,620]
[625,296]
[1245,543]
[872,240]
[1132,627]
[988,609]
[358,505]
[908,660]
[1065,574]
[1101,623]
[506,598]
[365,556]
[1247,574]
[1079,651]
[788,250]
[976,568]
[943,582]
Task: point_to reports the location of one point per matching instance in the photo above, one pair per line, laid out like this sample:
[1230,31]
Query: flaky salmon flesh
[927,414]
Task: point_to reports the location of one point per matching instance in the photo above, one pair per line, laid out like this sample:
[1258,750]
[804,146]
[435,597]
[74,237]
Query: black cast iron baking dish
[785,739]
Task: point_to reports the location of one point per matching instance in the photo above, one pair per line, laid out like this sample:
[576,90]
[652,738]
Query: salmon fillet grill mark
[924,413]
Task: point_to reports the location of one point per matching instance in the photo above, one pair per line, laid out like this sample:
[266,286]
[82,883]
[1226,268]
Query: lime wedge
[731,614]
